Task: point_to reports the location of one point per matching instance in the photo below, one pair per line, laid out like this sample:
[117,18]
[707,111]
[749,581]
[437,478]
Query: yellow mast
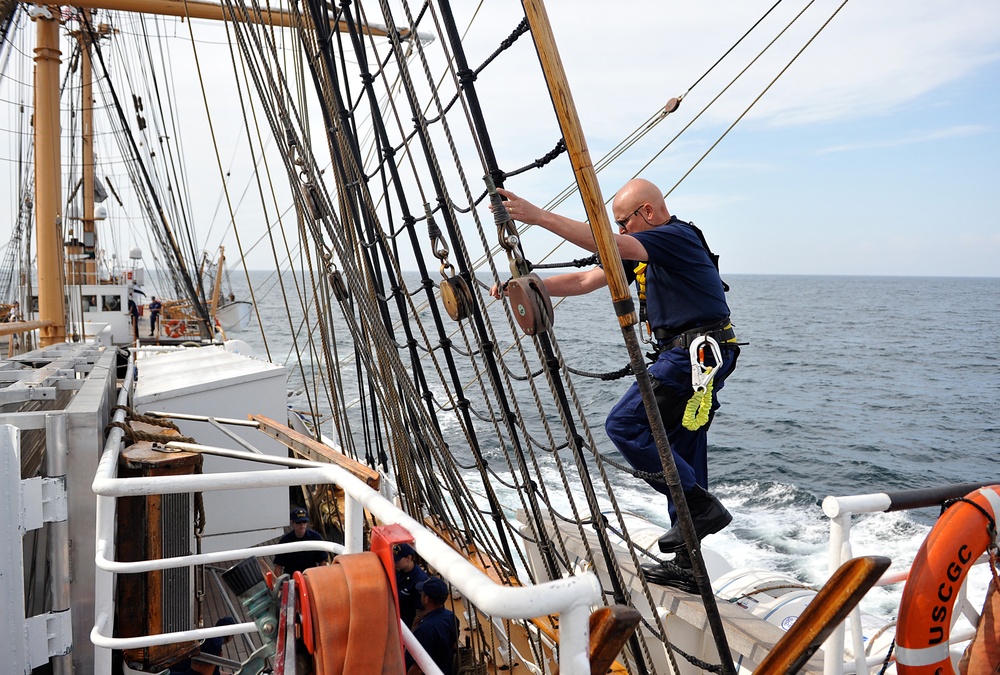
[48,158]
[48,179]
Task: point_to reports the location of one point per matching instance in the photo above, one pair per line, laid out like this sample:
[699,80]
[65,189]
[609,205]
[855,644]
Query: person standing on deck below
[154,314]
[408,575]
[133,312]
[437,631]
[299,561]
[685,298]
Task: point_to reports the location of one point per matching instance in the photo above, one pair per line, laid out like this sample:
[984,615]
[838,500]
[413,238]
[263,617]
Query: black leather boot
[708,514]
[675,573]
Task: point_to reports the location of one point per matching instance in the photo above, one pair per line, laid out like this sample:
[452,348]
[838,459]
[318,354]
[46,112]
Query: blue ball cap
[299,515]
[434,588]
[400,551]
[214,645]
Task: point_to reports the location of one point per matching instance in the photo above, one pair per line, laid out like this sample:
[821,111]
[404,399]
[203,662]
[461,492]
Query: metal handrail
[572,598]
[839,510]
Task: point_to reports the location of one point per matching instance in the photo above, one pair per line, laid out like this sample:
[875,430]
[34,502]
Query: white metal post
[56,450]
[13,649]
[833,648]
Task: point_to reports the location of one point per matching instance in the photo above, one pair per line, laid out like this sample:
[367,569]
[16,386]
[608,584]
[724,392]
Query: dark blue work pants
[628,427]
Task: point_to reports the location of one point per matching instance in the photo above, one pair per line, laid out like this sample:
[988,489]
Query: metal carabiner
[701,374]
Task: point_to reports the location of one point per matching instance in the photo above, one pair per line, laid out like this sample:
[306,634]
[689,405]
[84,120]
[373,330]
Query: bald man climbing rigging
[684,301]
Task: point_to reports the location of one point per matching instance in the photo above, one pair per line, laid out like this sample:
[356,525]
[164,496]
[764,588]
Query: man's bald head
[642,195]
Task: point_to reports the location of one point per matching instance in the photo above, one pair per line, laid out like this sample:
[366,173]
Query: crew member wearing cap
[408,575]
[437,631]
[299,561]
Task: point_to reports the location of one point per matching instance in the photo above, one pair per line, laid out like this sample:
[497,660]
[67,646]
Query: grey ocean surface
[849,385]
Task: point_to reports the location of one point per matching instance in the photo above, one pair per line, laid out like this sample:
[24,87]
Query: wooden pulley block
[457,297]
[337,283]
[531,304]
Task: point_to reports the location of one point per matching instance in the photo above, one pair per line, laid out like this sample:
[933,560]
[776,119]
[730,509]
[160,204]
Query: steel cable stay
[719,95]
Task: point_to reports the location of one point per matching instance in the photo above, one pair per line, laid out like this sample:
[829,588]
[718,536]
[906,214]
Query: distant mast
[48,179]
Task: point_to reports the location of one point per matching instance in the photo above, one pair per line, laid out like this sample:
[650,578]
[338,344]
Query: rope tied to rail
[135,416]
[134,435]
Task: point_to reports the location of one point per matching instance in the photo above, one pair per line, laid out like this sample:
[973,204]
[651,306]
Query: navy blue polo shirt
[683,288]
[409,596]
[438,634]
[300,561]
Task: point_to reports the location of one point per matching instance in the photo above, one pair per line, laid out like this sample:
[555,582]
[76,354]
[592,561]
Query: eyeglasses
[623,223]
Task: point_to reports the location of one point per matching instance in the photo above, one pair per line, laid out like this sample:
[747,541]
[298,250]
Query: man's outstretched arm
[573,231]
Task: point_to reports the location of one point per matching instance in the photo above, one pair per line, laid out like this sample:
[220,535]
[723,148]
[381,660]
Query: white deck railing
[572,598]
[839,510]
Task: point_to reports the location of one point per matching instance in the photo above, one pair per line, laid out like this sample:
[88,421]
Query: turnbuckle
[701,374]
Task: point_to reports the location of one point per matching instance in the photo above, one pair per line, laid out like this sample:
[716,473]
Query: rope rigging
[358,243]
[466,425]
[178,256]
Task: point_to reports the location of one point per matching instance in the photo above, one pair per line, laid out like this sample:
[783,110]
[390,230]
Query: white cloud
[872,57]
[913,138]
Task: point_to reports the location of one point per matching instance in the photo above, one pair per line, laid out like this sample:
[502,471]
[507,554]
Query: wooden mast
[217,286]
[48,147]
[48,179]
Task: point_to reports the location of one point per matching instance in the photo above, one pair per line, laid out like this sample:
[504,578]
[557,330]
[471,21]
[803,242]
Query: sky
[875,153]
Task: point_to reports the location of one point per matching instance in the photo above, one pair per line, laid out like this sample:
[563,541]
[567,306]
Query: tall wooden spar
[48,180]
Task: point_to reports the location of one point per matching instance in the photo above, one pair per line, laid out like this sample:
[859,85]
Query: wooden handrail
[22,326]
[314,450]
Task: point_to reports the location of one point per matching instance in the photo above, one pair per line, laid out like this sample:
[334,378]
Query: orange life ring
[955,542]
[175,328]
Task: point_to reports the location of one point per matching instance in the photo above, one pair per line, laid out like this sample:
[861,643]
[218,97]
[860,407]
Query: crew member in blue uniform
[408,576]
[685,299]
[437,631]
[154,314]
[299,561]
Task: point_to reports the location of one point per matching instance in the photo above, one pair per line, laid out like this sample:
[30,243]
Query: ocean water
[849,385]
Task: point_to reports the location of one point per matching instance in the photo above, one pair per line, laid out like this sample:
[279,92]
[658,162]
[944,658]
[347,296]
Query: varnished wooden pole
[583,167]
[48,181]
